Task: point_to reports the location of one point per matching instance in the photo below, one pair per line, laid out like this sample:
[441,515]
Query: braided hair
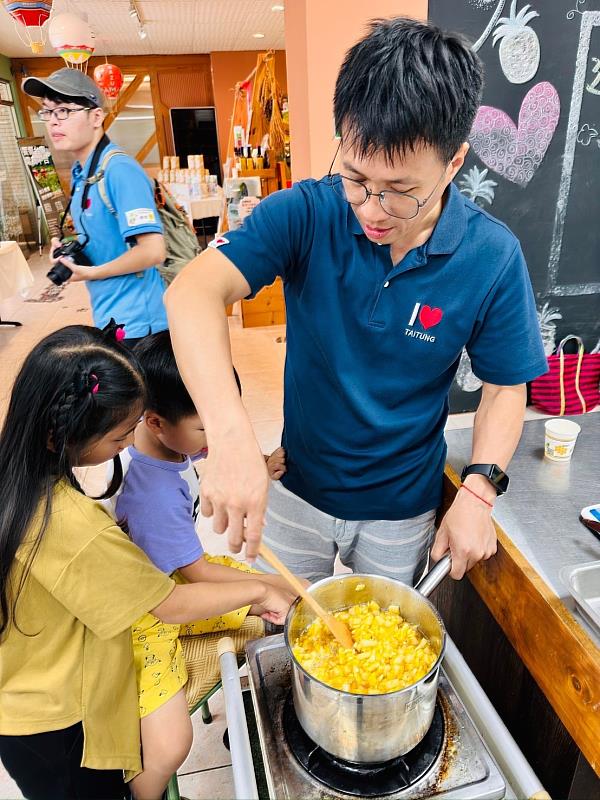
[74,387]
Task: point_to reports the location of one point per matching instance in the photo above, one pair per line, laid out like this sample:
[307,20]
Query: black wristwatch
[497,477]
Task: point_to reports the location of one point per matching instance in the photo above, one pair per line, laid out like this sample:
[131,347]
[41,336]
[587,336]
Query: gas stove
[451,762]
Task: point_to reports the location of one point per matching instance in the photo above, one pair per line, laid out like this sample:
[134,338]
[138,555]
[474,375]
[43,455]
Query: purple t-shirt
[158,502]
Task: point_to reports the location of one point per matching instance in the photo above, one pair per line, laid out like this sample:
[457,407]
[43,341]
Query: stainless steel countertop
[540,511]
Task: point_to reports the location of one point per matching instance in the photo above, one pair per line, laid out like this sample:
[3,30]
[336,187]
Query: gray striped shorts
[307,540]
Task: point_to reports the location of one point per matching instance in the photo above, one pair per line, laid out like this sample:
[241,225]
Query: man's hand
[276,464]
[80,273]
[54,243]
[234,490]
[467,531]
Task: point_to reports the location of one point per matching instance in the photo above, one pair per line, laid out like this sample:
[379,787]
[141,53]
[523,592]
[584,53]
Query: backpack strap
[100,178]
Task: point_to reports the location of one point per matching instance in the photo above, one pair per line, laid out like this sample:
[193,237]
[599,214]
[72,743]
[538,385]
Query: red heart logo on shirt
[428,317]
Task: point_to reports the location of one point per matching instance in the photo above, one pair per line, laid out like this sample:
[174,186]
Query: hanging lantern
[72,39]
[110,79]
[29,18]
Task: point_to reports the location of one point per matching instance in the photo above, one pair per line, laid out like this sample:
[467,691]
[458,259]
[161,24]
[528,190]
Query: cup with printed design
[561,435]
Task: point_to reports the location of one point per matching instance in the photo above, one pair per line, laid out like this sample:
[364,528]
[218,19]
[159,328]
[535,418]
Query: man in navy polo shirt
[388,273]
[122,231]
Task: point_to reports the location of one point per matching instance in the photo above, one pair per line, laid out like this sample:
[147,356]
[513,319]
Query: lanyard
[91,178]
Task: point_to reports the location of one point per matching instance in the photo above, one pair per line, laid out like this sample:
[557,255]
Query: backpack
[180,239]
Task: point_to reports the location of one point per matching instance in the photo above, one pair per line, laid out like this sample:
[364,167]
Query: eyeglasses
[61,112]
[397,204]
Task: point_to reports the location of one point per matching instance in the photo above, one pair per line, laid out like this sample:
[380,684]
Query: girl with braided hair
[72,583]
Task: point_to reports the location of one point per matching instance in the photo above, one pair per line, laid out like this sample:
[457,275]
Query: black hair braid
[61,416]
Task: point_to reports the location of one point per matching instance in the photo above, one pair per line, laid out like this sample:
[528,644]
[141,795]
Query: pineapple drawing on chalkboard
[547,321]
[477,186]
[465,377]
[519,44]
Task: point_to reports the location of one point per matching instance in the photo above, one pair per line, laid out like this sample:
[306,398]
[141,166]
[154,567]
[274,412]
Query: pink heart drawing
[516,153]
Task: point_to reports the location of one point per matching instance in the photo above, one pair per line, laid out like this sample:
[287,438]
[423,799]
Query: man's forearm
[200,335]
[136,259]
[497,430]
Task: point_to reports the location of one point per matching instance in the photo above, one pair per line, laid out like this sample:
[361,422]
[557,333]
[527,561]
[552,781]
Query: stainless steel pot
[368,728]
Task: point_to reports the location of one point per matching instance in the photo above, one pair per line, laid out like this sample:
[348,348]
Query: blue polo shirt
[135,300]
[372,346]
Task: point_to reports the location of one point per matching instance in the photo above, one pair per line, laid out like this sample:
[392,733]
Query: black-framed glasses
[61,112]
[397,204]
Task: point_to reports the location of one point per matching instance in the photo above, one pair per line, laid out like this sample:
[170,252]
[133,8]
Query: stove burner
[364,780]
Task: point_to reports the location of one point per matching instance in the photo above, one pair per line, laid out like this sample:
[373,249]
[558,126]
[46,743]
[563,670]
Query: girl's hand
[276,464]
[275,606]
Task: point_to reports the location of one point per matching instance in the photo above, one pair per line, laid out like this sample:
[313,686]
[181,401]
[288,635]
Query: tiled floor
[259,355]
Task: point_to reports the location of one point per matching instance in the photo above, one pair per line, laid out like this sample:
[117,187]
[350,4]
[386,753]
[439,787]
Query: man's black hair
[165,389]
[55,97]
[407,83]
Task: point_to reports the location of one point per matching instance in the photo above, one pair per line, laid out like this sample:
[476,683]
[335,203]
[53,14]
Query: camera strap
[91,178]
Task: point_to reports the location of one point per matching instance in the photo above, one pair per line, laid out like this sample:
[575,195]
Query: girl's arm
[192,601]
[203,570]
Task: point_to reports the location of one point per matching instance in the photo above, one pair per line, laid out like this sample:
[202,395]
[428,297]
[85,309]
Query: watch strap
[496,476]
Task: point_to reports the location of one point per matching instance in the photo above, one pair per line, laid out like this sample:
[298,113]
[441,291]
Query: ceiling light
[258,35]
[142,32]
[278,8]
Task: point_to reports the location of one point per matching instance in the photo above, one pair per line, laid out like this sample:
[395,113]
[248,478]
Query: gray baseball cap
[71,83]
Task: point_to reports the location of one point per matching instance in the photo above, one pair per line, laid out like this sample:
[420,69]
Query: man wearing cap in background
[119,224]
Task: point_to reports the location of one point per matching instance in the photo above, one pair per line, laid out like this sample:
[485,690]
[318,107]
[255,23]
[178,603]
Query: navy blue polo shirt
[372,347]
[134,300]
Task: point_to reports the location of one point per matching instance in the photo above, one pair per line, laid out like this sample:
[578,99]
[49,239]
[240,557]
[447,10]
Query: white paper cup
[561,435]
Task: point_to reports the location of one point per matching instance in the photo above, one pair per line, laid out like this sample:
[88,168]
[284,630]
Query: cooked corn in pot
[389,653]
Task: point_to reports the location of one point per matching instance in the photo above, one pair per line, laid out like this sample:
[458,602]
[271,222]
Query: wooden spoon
[339,629]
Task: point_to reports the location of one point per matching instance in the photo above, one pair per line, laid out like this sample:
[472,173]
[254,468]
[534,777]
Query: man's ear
[99,116]
[459,158]
[154,422]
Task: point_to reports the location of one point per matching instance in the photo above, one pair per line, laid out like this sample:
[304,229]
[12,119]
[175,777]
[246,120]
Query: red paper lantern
[110,79]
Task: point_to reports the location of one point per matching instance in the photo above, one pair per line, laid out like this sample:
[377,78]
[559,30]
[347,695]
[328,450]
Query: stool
[204,672]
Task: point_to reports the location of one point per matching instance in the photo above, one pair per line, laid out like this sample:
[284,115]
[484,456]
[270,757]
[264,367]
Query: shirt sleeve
[110,583]
[161,522]
[130,193]
[273,241]
[506,346]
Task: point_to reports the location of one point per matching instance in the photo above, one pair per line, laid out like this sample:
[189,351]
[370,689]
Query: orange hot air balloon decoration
[110,79]
[29,18]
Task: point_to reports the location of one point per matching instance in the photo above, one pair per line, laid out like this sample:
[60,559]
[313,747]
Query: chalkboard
[537,140]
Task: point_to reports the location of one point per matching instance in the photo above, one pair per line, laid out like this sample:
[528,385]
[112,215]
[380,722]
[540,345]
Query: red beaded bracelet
[483,500]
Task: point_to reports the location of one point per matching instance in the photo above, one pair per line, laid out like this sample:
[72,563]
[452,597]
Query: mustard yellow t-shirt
[72,658]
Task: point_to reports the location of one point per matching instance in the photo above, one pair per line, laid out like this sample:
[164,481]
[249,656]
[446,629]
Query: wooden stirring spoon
[339,629]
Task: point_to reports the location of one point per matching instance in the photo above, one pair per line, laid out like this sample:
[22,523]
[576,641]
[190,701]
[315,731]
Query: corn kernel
[388,654]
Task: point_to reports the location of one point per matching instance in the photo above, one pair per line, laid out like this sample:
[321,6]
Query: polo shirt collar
[451,226]
[448,232]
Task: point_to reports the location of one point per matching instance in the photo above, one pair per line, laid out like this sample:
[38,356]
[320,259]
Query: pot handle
[435,576]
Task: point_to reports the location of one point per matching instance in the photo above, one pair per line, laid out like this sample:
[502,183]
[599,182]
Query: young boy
[157,504]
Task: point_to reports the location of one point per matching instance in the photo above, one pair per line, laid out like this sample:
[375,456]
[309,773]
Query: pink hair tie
[120,334]
[96,386]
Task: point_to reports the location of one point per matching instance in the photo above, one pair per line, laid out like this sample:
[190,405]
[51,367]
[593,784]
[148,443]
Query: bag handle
[581,351]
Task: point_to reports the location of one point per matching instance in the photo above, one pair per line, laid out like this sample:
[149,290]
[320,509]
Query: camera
[72,249]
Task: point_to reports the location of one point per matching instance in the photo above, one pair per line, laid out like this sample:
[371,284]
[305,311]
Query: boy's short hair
[407,83]
[166,390]
[55,97]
